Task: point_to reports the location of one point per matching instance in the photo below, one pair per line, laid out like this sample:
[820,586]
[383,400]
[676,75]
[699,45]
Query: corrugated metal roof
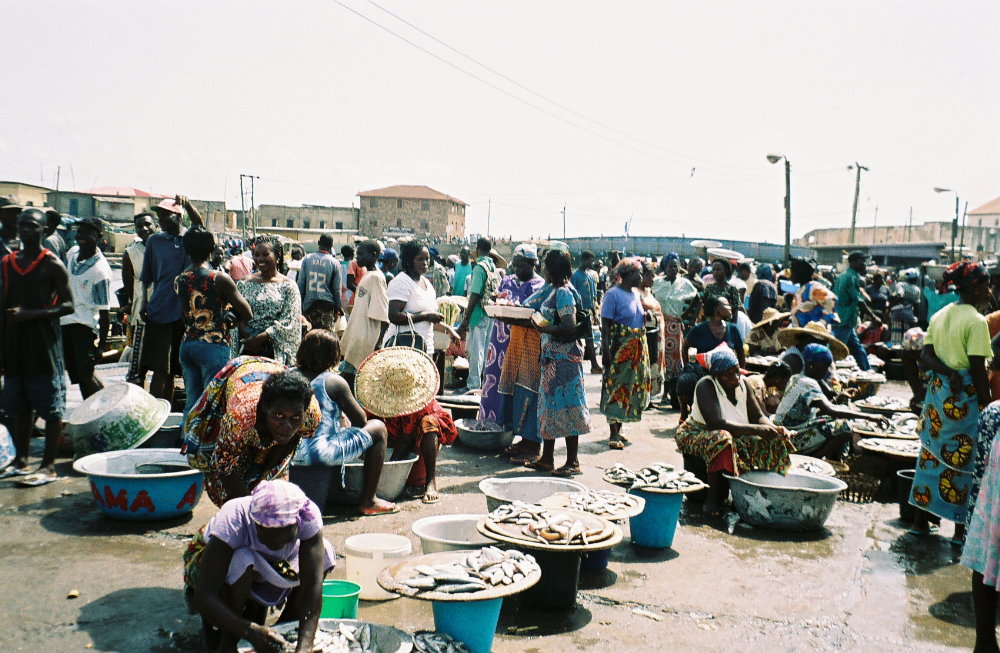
[410,193]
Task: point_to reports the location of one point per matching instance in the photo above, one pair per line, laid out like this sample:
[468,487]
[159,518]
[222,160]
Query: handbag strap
[413,330]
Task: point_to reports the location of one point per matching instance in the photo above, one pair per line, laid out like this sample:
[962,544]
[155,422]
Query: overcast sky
[665,111]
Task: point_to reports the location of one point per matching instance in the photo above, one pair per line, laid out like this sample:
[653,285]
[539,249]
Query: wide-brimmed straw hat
[396,381]
[786,338]
[770,315]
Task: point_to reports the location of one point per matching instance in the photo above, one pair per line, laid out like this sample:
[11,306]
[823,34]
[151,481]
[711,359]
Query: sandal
[616,444]
[567,470]
[539,466]
[430,499]
[523,461]
[389,509]
[10,471]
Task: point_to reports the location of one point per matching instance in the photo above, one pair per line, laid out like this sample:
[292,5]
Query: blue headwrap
[433,251]
[389,254]
[722,360]
[765,272]
[815,353]
[672,256]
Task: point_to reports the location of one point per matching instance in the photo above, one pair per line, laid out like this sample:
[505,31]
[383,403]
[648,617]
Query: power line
[548,99]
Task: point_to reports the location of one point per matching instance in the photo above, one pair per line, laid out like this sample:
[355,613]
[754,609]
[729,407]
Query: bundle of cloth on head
[526,250]
[389,254]
[964,274]
[765,272]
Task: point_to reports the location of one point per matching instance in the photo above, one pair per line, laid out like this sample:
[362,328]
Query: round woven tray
[867,433]
[873,446]
[522,542]
[390,577]
[561,501]
[882,410]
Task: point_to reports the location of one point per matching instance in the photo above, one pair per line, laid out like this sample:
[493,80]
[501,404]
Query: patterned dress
[277,311]
[982,543]
[655,331]
[814,302]
[220,433]
[562,410]
[514,291]
[432,419]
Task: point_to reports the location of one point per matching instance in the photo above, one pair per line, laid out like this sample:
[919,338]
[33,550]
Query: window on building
[425,205]
[74,206]
[373,202]
[29,203]
[289,223]
[427,225]
[399,223]
[322,224]
[399,204]
[274,222]
[338,225]
[306,223]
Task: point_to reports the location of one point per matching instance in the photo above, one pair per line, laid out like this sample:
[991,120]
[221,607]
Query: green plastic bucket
[340,599]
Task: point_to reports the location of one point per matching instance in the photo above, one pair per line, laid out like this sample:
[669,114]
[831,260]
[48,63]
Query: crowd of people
[295,359]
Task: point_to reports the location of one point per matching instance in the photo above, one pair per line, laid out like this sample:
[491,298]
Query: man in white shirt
[90,284]
[370,317]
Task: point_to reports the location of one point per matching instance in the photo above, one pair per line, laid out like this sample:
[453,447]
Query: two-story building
[419,210]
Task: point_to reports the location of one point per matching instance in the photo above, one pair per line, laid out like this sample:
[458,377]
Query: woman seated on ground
[247,424]
[260,551]
[716,330]
[334,444]
[398,384]
[769,387]
[821,429]
[728,429]
[763,338]
[795,339]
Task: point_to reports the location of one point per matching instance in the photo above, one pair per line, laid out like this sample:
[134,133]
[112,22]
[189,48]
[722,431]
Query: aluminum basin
[794,502]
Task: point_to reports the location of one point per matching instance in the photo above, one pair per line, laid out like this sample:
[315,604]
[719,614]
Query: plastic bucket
[470,622]
[654,527]
[340,600]
[556,590]
[595,560]
[367,555]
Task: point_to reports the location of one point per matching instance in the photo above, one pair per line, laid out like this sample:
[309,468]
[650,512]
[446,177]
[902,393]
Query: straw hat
[770,315]
[396,381]
[786,338]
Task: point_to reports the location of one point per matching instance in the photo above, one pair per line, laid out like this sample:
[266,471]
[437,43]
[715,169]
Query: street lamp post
[954,223]
[774,158]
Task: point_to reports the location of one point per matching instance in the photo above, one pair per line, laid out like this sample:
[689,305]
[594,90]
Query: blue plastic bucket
[654,527]
[470,622]
[595,560]
[340,599]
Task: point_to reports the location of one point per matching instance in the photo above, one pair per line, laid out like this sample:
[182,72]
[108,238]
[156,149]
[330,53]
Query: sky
[657,112]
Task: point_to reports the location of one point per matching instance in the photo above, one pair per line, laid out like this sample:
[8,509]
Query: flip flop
[566,471]
[382,510]
[36,479]
[539,466]
[429,500]
[616,444]
[931,530]
[523,461]
[10,471]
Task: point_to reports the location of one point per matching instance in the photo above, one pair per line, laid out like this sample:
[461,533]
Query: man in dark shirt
[35,297]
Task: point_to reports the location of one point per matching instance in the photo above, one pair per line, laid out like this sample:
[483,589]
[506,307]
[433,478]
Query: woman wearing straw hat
[763,338]
[261,551]
[795,339]
[728,429]
[398,384]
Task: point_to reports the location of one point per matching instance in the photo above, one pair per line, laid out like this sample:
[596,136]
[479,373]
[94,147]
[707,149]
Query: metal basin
[530,489]
[795,502]
[167,436]
[489,441]
[390,485]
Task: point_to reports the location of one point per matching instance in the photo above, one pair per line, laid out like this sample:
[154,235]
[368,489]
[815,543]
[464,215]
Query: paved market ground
[858,585]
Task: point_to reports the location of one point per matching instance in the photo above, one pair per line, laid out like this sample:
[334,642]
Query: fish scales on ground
[478,571]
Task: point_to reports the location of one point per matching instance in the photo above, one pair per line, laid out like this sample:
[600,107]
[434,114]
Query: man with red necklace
[35,295]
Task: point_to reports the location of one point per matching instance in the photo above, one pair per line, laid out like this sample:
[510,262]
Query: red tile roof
[410,193]
[990,208]
[120,191]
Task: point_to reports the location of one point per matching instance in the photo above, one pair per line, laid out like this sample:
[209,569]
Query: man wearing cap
[319,286]
[476,323]
[90,283]
[849,293]
[463,268]
[35,296]
[165,259]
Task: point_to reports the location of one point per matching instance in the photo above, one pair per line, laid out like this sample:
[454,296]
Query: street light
[954,223]
[774,158]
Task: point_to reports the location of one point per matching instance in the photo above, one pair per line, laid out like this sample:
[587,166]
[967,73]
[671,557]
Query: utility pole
[253,210]
[875,226]
[564,220]
[58,173]
[243,210]
[909,227]
[252,227]
[954,229]
[857,190]
[961,245]
[788,212]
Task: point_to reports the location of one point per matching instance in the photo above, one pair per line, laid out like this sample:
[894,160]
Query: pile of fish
[661,476]
[481,426]
[346,639]
[905,424]
[887,403]
[478,571]
[809,466]
[431,642]
[540,524]
[604,502]
[892,446]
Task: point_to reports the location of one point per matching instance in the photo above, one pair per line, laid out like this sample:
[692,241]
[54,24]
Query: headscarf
[527,250]
[559,245]
[627,265]
[816,353]
[276,504]
[454,258]
[389,254]
[672,256]
[765,272]
[722,361]
[911,274]
[965,274]
[433,251]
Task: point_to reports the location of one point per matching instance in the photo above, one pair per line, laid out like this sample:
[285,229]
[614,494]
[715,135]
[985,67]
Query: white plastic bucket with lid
[367,555]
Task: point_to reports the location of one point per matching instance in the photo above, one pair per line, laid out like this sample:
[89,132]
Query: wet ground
[858,585]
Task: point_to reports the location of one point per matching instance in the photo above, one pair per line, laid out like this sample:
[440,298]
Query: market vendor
[821,428]
[715,331]
[795,339]
[335,444]
[398,385]
[763,338]
[247,425]
[728,429]
[769,387]
[260,551]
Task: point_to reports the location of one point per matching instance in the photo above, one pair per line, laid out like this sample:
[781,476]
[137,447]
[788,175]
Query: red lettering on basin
[189,496]
[97,495]
[142,500]
[119,501]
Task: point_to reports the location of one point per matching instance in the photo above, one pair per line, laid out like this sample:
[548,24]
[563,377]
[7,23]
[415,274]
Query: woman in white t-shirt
[412,299]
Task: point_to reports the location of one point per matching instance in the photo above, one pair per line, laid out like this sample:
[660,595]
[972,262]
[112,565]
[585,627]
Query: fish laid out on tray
[810,467]
[661,476]
[885,403]
[538,523]
[345,639]
[479,570]
[432,642]
[893,447]
[603,502]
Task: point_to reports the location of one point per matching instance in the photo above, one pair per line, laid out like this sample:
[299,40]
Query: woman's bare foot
[431,493]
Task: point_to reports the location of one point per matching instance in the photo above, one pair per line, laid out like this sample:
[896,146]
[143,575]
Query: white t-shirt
[419,298]
[371,309]
[90,283]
